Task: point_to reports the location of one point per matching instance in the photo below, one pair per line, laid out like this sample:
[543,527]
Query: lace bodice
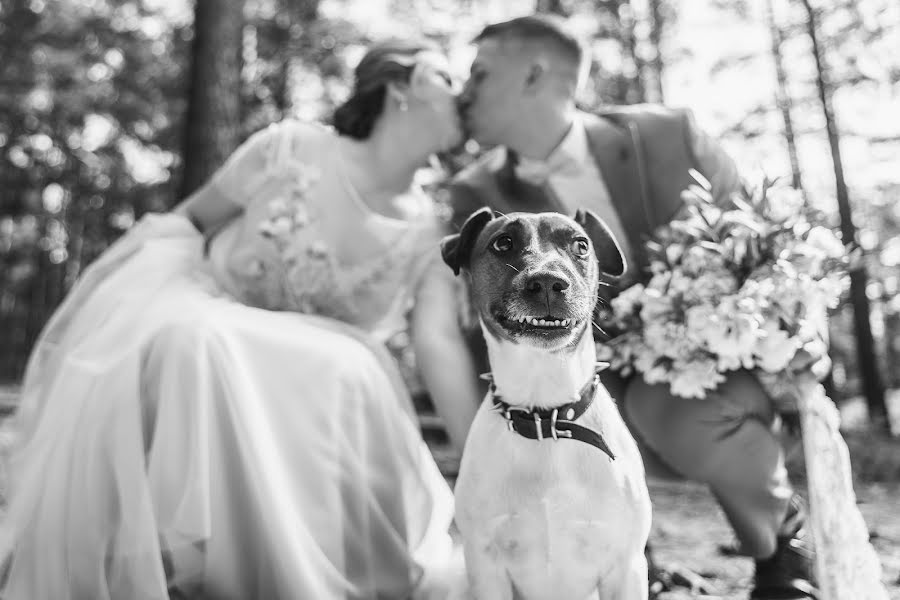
[307,242]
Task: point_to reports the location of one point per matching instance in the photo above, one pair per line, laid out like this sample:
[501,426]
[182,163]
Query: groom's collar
[573,150]
[614,145]
[574,147]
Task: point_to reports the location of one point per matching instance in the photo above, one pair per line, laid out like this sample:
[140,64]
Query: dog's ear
[457,248]
[609,255]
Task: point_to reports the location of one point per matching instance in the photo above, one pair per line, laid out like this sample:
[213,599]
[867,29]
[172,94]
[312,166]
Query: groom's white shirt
[575,180]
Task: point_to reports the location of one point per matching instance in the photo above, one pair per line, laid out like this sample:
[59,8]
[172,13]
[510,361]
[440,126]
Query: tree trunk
[783,98]
[627,22]
[865,344]
[301,14]
[657,23]
[212,127]
[891,342]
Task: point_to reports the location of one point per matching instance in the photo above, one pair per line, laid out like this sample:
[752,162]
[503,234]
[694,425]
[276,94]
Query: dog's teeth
[565,322]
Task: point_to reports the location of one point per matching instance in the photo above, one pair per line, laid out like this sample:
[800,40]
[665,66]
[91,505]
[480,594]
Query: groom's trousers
[725,440]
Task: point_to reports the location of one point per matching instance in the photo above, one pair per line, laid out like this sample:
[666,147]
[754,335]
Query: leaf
[742,204]
[701,193]
[713,246]
[654,247]
[740,218]
[689,229]
[700,179]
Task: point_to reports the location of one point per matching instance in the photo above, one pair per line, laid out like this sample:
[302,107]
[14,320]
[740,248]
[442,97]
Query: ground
[689,527]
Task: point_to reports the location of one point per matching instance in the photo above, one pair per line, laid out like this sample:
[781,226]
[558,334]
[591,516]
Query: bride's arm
[261,161]
[207,209]
[443,357]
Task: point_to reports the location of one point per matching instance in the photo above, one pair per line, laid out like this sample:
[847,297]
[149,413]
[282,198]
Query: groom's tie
[567,184]
[538,173]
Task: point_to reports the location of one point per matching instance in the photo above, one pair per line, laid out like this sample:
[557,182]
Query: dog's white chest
[553,513]
[559,527]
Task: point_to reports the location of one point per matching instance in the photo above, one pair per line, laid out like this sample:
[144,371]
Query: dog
[551,499]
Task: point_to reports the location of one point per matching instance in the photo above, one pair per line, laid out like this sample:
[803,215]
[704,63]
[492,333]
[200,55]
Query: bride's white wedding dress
[229,424]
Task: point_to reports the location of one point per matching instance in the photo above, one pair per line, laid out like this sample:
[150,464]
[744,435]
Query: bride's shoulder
[304,130]
[290,140]
[296,134]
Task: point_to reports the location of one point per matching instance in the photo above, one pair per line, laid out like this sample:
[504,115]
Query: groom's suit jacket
[643,153]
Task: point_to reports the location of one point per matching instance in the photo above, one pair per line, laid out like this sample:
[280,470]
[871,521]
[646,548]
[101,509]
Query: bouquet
[744,285]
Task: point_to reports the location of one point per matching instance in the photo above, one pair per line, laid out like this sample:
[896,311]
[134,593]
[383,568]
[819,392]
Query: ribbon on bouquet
[846,563]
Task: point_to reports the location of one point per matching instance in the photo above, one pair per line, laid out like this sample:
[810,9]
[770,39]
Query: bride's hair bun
[385,62]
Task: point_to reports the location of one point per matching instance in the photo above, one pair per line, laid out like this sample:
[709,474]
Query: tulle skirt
[170,438]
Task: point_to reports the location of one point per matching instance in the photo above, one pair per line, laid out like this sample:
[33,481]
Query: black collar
[557,423]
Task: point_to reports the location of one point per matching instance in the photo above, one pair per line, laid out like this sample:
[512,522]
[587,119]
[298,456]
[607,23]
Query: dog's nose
[545,282]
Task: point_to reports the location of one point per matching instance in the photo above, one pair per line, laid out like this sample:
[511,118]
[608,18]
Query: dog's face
[534,277]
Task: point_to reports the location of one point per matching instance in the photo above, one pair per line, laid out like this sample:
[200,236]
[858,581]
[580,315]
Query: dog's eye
[580,247]
[503,243]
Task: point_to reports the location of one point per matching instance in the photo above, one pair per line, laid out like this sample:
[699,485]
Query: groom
[629,165]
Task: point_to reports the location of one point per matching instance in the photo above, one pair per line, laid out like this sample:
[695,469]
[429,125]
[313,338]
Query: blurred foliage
[859,40]
[93,95]
[90,101]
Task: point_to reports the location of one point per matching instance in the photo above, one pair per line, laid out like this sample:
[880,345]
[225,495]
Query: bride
[212,412]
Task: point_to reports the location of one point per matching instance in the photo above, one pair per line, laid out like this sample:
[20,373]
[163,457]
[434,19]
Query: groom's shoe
[789,574]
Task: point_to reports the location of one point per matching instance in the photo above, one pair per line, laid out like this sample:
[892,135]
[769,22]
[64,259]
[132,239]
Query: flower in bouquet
[728,330]
[741,285]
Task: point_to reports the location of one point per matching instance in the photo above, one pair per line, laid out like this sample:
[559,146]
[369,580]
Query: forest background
[113,108]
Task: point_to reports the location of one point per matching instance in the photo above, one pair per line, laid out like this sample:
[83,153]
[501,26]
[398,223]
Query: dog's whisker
[512,267]
[600,329]
[602,301]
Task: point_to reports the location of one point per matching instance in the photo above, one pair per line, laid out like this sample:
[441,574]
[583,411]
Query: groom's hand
[790,423]
[788,409]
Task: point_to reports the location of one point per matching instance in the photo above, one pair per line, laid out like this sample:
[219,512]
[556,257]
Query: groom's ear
[537,71]
[456,249]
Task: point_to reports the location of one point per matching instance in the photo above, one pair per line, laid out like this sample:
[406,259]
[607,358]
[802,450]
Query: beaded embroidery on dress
[285,260]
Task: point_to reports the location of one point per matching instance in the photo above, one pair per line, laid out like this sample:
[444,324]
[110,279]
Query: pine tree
[212,128]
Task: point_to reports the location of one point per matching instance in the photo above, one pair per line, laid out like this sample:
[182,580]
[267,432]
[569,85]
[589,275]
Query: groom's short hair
[547,30]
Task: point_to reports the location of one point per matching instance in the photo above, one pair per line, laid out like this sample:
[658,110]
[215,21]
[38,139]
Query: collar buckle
[557,433]
[507,414]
